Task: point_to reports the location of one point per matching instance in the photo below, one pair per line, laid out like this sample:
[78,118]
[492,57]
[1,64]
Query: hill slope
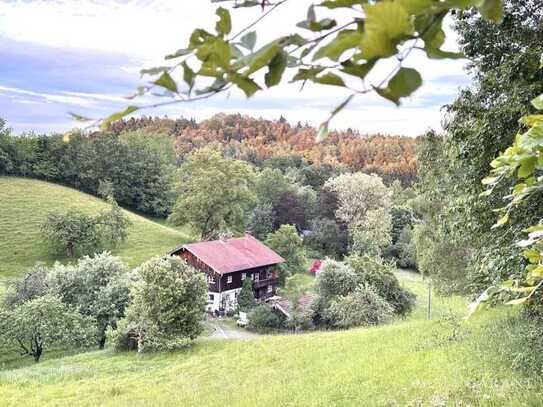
[24,203]
[395,365]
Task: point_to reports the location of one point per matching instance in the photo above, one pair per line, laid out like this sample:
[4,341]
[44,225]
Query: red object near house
[315,266]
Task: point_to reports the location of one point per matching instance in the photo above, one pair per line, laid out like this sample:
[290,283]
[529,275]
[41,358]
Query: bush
[167,309]
[375,272]
[98,287]
[264,319]
[363,307]
[335,278]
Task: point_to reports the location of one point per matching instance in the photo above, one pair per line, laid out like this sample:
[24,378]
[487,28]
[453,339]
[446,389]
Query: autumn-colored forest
[256,140]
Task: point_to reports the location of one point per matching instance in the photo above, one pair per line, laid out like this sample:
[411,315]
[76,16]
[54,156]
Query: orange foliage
[255,140]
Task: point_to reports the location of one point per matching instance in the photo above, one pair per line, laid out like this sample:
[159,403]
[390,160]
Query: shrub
[335,278]
[263,318]
[98,287]
[363,307]
[167,309]
[375,272]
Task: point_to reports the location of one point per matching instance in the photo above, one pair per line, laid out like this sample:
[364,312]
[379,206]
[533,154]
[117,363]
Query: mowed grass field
[24,204]
[412,362]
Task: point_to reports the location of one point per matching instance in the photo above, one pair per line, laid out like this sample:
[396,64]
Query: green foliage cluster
[137,165]
[376,273]
[75,232]
[362,307]
[43,322]
[214,194]
[98,287]
[288,244]
[263,318]
[167,307]
[360,291]
[87,297]
[246,298]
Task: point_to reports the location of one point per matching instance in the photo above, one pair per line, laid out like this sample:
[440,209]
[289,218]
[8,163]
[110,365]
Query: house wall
[225,293]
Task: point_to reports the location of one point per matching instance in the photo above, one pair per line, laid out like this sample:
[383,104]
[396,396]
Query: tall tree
[214,194]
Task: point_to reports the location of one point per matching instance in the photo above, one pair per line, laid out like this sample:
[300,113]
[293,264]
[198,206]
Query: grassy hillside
[411,362]
[24,203]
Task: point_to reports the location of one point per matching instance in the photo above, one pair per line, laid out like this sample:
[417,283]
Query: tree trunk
[37,354]
[102,342]
[141,342]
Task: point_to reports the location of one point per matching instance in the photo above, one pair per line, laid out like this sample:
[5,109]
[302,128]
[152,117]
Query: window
[210,280]
[211,299]
[257,277]
[243,276]
[268,274]
[229,280]
[270,289]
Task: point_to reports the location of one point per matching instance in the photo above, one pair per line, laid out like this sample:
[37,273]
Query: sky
[84,56]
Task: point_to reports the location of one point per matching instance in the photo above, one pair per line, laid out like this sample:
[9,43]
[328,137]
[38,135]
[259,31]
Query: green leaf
[117,116]
[224,25]
[360,70]
[215,52]
[329,79]
[538,102]
[188,75]
[342,105]
[386,24]
[324,24]
[79,118]
[527,167]
[165,81]
[178,53]
[248,41]
[332,4]
[262,57]
[247,85]
[323,132]
[276,68]
[491,10]
[502,221]
[345,40]
[403,84]
[416,7]
[305,74]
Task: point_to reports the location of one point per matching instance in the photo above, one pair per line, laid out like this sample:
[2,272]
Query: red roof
[229,255]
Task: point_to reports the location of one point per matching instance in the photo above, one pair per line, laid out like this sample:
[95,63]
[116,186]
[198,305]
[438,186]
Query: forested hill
[256,140]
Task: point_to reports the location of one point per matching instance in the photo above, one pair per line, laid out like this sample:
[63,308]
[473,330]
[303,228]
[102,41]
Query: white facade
[227,300]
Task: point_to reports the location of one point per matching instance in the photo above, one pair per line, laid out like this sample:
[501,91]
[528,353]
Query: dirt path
[226,329]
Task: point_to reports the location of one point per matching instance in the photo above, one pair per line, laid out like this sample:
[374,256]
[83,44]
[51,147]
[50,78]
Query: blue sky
[83,56]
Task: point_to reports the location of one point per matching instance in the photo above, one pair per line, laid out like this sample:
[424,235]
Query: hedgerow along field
[446,361]
[24,205]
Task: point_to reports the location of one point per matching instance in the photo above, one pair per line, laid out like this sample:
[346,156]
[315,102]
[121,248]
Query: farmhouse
[227,262]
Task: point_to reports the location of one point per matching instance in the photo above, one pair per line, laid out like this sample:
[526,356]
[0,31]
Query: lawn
[24,203]
[410,362]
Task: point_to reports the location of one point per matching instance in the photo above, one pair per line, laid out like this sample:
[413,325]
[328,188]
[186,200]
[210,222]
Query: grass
[411,362]
[24,203]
